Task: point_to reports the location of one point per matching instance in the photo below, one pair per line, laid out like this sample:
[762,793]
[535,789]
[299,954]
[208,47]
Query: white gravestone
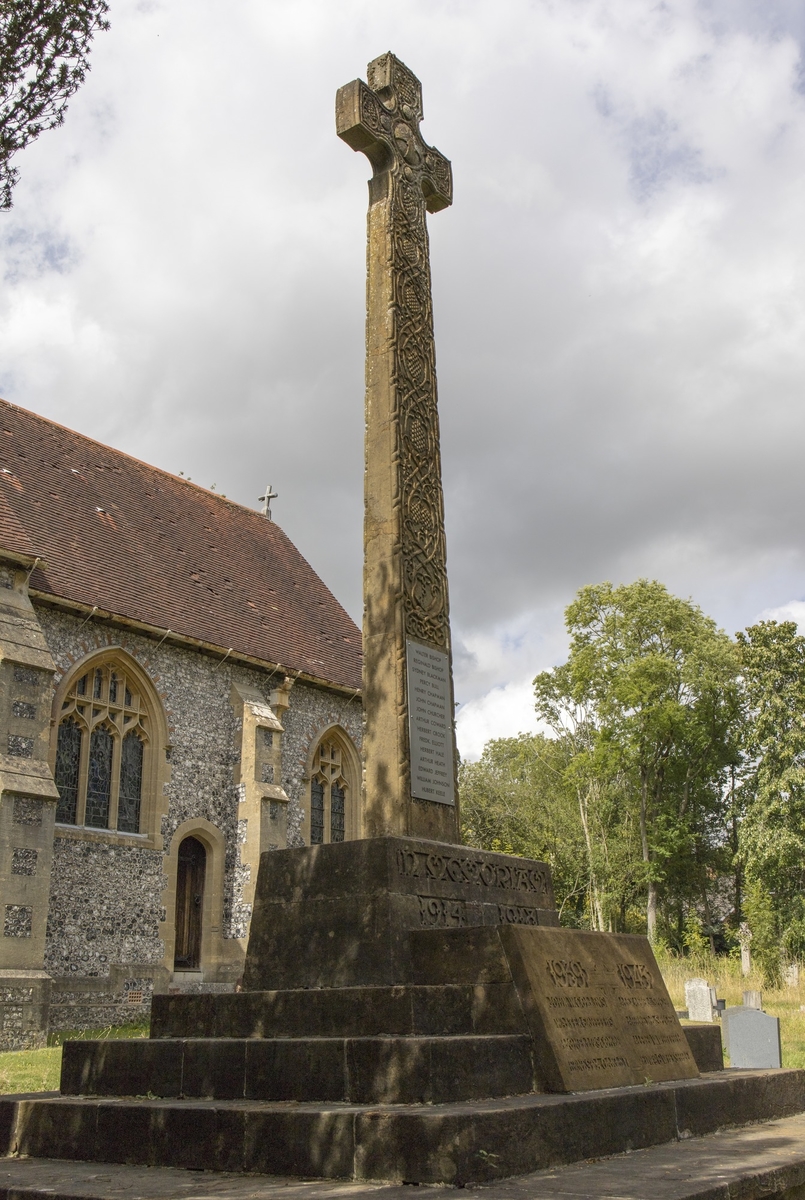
[752,1038]
[745,937]
[700,1000]
[753,999]
[430,716]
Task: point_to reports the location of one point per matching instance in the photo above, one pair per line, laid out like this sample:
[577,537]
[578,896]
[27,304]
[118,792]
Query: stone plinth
[340,915]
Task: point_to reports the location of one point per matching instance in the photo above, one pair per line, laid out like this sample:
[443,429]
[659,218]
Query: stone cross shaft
[409,740]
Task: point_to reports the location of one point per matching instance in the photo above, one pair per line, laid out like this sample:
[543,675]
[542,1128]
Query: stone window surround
[351,772]
[156,768]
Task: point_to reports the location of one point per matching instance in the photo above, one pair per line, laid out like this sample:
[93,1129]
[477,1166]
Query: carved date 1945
[635,975]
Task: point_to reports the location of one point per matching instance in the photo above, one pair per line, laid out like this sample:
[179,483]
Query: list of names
[430,723]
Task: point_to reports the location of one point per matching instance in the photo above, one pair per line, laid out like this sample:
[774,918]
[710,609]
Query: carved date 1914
[437,913]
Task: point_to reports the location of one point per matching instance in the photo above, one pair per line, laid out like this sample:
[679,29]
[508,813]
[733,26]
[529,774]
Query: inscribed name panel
[430,723]
[597,1008]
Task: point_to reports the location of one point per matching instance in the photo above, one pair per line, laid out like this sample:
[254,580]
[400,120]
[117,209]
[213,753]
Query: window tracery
[103,739]
[329,789]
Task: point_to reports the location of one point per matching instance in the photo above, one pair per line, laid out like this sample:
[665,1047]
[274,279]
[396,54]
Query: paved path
[758,1161]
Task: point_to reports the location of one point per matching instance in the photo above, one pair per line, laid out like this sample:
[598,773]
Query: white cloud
[794,610]
[502,712]
[619,290]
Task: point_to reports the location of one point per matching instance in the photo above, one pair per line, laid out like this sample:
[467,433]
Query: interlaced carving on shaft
[419,178]
[424,573]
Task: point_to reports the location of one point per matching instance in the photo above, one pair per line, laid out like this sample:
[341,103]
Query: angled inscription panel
[598,1009]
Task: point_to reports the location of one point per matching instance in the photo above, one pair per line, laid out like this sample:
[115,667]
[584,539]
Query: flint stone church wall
[104,946]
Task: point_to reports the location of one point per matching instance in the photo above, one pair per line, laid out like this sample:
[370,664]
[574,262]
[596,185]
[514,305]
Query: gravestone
[753,999]
[700,1000]
[791,975]
[752,1038]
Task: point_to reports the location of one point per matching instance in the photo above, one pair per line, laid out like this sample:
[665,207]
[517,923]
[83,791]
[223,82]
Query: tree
[772,832]
[515,800]
[649,698]
[44,59]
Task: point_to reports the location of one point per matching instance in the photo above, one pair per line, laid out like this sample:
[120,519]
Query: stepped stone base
[395,1033]
[760,1162]
[460,1143]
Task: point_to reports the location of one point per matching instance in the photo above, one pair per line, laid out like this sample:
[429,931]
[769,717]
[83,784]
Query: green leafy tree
[515,800]
[772,832]
[44,59]
[649,698]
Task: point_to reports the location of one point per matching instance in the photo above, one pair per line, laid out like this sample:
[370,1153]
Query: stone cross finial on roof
[269,496]
[409,737]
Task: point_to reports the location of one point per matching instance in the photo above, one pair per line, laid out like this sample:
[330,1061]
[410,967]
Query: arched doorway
[192,866]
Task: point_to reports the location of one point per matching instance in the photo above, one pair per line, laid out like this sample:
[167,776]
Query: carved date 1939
[567,973]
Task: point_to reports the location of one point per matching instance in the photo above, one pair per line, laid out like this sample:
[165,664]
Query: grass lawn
[39,1070]
[724,975]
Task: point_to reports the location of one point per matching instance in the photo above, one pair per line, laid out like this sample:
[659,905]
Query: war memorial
[411,1010]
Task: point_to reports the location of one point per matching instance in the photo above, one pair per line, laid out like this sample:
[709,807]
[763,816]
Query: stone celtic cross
[409,739]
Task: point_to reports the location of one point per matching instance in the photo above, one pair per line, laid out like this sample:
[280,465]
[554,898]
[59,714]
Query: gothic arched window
[332,791]
[103,740]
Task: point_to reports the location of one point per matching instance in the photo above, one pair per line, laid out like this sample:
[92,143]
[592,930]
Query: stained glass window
[68,758]
[329,792]
[316,812]
[337,813]
[99,783]
[102,786]
[131,782]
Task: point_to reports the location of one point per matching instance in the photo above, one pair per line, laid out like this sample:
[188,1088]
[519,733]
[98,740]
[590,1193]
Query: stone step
[474,1141]
[364,1070]
[757,1162]
[419,1011]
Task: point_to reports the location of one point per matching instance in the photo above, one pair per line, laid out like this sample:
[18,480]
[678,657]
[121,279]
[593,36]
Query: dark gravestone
[751,1038]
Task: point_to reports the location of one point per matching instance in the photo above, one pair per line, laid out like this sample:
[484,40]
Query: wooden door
[189,904]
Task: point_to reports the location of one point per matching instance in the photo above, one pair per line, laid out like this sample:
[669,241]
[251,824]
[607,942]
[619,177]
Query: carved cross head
[381,120]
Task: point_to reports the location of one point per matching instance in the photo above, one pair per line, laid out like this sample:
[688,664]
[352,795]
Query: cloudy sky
[619,291]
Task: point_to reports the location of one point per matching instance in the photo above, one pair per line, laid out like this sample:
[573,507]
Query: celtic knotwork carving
[424,574]
[382,120]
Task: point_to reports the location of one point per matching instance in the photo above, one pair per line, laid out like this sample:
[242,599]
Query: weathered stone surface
[419,1143]
[595,1003]
[699,999]
[340,915]
[405,576]
[342,1012]
[754,1163]
[705,1046]
[361,1070]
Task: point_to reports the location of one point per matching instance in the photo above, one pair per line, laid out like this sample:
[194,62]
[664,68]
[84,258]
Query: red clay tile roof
[151,547]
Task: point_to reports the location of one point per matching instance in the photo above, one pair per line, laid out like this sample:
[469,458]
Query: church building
[179,692]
